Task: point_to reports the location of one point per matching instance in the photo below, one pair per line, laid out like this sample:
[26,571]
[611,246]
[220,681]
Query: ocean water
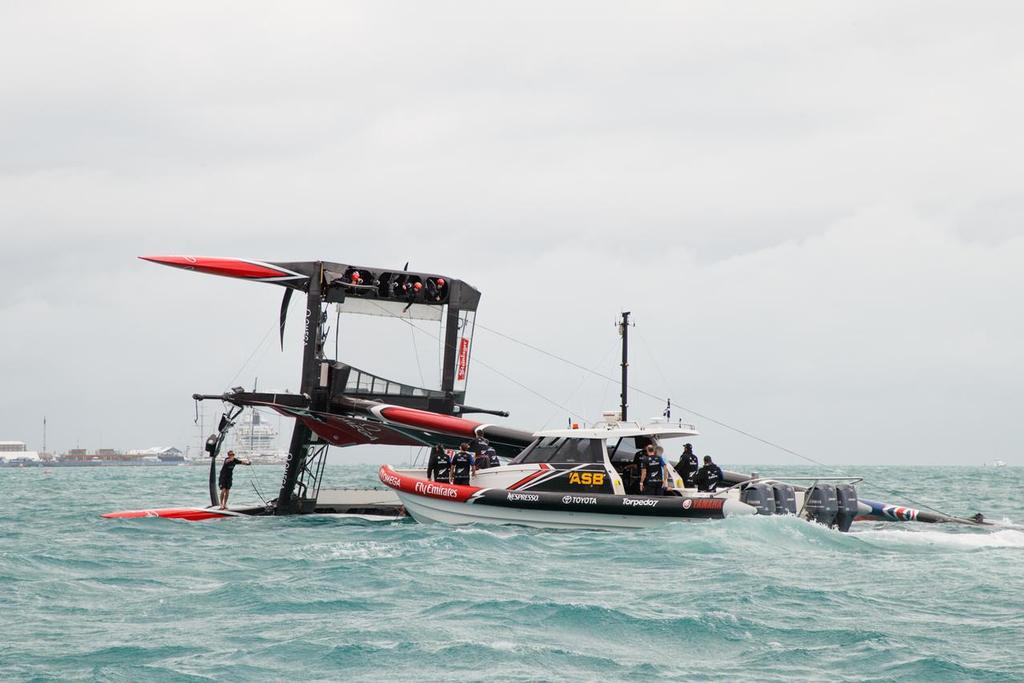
[765,599]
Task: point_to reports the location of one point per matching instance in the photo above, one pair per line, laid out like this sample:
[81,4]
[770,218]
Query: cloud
[813,212]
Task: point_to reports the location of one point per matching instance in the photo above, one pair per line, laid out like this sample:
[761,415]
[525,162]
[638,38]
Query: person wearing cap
[709,477]
[652,472]
[688,465]
[439,466]
[463,465]
[227,471]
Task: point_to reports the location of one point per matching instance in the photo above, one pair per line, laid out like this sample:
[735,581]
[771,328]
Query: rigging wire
[654,361]
[416,352]
[254,352]
[583,379]
[482,363]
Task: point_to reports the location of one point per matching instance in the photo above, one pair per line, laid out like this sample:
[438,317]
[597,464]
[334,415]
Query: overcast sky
[814,210]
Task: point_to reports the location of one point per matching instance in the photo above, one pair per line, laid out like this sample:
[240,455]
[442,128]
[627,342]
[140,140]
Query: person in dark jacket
[439,466]
[687,466]
[463,465]
[480,448]
[227,472]
[492,458]
[710,476]
[652,472]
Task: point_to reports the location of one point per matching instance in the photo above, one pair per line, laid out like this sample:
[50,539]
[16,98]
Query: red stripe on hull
[228,267]
[530,477]
[190,514]
[425,487]
[430,421]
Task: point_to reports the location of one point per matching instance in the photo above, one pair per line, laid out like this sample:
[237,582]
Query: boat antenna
[624,331]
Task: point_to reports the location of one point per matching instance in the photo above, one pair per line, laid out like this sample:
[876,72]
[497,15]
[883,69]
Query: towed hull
[432,502]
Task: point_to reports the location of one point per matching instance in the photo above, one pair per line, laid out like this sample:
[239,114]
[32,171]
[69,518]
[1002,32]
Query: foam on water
[326,599]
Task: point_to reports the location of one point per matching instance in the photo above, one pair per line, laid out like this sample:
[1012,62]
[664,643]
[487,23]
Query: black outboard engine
[760,496]
[785,499]
[820,504]
[846,504]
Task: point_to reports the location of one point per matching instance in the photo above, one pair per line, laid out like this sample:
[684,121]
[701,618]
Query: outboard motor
[759,496]
[846,504]
[820,504]
[785,499]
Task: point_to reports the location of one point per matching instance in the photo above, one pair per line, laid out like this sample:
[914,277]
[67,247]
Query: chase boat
[580,478]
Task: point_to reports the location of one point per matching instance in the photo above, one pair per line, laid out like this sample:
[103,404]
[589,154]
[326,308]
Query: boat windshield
[562,449]
[625,448]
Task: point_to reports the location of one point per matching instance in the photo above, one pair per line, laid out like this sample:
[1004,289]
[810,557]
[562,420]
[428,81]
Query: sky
[814,211]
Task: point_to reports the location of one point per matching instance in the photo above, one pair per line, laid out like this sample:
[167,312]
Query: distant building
[100,455]
[12,447]
[16,455]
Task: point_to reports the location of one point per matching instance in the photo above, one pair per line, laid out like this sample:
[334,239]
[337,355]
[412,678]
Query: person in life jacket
[463,465]
[710,476]
[687,466]
[480,447]
[439,466]
[652,472]
[492,458]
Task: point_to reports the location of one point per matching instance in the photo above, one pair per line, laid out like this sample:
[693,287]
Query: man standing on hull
[227,471]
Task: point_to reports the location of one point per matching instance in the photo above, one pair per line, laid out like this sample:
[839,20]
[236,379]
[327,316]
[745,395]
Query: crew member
[688,465]
[439,466]
[492,458]
[227,471]
[463,465]
[652,472]
[710,476]
[480,447]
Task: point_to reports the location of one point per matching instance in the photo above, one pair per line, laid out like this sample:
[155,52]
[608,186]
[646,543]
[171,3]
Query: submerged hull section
[428,501]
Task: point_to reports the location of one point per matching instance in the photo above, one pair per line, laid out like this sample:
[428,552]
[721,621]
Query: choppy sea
[270,599]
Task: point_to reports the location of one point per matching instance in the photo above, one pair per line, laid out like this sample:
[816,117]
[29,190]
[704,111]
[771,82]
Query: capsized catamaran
[559,478]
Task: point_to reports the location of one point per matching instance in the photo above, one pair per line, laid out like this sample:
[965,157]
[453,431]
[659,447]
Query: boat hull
[433,502]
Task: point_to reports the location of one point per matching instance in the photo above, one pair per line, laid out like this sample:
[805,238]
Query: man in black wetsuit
[710,476]
[439,466]
[687,466]
[227,470]
[463,465]
[652,472]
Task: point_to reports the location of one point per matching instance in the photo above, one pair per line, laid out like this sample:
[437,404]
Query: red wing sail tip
[245,269]
[190,514]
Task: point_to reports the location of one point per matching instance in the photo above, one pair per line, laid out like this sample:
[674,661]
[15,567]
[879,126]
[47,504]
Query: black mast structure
[335,401]
[624,331]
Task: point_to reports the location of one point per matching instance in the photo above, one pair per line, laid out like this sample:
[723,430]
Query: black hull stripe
[602,503]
